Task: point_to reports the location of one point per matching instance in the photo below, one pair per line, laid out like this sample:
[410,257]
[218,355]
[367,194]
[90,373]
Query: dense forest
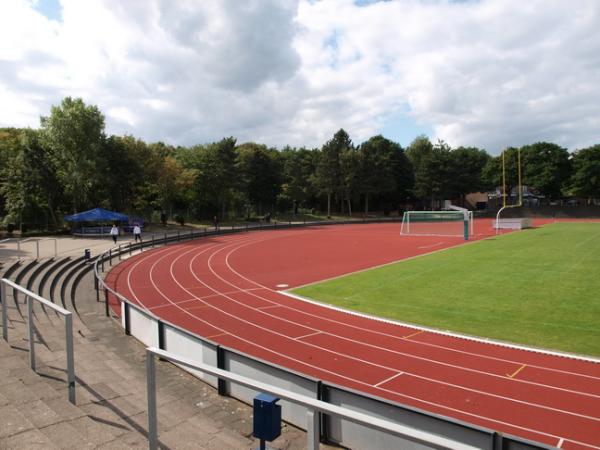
[69,164]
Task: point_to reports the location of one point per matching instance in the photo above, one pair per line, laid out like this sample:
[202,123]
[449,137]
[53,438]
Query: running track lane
[223,288]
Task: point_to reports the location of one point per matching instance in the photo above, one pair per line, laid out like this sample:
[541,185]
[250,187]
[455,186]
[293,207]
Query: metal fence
[30,298]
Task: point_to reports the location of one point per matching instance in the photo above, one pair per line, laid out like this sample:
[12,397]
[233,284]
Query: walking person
[114,232]
[137,233]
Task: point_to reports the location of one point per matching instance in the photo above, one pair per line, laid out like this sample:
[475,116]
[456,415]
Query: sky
[487,73]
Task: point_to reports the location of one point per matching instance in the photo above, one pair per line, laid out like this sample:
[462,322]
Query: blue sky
[481,73]
[49,8]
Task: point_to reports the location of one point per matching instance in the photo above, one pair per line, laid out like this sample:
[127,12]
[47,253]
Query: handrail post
[70,357]
[106,310]
[30,332]
[37,249]
[110,257]
[4,311]
[18,250]
[119,252]
[130,249]
[55,248]
[151,387]
[312,430]
[152,240]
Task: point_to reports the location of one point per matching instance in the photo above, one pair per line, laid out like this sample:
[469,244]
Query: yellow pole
[520,182]
[503,180]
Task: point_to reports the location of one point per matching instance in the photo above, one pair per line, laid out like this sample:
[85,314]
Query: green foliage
[74,134]
[433,169]
[585,180]
[260,171]
[467,164]
[69,165]
[29,184]
[299,165]
[216,175]
[546,168]
[329,176]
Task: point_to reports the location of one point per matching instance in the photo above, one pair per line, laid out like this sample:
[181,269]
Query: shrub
[180,219]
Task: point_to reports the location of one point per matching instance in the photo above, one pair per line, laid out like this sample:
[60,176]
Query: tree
[328,176]
[546,167]
[299,165]
[260,171]
[492,173]
[130,165]
[74,133]
[467,165]
[585,180]
[377,157]
[30,186]
[217,178]
[432,164]
[9,146]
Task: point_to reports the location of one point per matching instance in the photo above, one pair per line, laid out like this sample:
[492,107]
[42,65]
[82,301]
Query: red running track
[225,289]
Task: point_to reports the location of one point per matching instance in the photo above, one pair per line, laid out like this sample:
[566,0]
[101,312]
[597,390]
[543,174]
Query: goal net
[437,223]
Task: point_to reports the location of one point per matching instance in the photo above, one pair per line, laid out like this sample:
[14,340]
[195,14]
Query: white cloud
[484,73]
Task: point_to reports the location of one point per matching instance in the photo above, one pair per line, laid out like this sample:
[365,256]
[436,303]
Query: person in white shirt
[137,233]
[114,232]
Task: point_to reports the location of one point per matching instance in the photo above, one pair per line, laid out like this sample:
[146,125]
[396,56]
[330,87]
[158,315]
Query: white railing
[30,297]
[312,406]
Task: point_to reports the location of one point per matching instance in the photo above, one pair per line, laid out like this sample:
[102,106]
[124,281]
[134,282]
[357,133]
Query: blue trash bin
[267,418]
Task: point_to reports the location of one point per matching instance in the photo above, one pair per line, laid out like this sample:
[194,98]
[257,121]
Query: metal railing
[30,297]
[312,405]
[37,245]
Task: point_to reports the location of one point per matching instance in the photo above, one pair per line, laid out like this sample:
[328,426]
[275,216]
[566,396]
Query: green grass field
[537,287]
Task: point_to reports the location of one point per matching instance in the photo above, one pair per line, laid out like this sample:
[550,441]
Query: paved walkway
[110,412]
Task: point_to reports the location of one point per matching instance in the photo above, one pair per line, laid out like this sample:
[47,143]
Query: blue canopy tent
[95,215]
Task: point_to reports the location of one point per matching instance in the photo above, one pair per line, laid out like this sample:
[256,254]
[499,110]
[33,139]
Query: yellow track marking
[414,334]
[516,371]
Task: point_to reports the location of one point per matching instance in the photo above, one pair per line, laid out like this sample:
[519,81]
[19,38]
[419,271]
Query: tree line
[69,164]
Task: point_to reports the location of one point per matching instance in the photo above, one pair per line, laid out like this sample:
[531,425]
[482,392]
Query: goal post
[437,223]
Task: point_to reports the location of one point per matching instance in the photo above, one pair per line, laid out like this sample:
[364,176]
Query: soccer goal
[437,223]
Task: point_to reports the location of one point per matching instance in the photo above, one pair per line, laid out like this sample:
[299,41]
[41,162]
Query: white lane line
[560,443]
[388,379]
[307,335]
